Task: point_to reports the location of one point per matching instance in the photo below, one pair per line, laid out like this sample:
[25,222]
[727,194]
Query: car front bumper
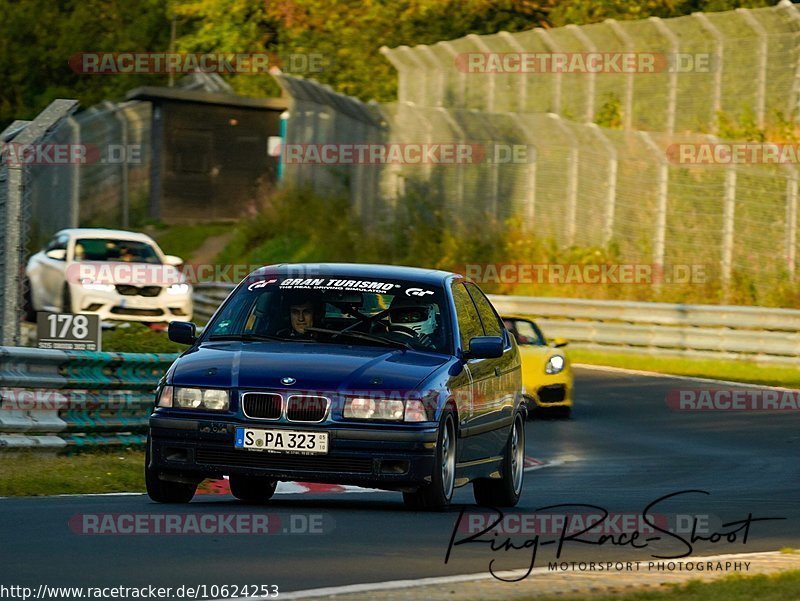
[112,306]
[195,449]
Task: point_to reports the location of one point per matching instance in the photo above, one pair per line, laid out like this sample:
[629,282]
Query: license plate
[282,441]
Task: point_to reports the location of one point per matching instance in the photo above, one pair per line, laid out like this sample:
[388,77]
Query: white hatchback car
[115,274]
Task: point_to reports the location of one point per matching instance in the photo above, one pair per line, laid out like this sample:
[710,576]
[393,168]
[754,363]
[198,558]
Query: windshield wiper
[246,337]
[363,336]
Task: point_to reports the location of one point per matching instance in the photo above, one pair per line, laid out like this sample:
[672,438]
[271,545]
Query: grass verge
[749,372]
[137,338]
[772,587]
[33,474]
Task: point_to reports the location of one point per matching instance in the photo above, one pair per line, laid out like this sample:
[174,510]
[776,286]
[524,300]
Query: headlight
[554,364]
[92,285]
[211,399]
[385,409]
[178,289]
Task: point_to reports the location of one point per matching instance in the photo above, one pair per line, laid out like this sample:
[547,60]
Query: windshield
[336,310]
[107,249]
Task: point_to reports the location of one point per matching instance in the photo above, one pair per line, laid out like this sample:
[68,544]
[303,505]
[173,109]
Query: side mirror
[182,332]
[57,254]
[173,260]
[485,347]
[559,342]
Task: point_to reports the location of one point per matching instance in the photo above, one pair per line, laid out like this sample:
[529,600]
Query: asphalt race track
[624,449]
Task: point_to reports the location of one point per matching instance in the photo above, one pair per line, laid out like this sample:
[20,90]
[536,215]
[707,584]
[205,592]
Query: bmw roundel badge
[287,381]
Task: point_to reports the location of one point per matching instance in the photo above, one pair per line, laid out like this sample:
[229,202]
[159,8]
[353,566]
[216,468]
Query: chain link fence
[683,73]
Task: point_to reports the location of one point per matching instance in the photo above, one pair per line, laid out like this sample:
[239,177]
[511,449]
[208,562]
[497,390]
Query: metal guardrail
[64,401]
[701,331]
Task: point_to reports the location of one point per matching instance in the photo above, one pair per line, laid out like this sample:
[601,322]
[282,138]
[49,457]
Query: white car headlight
[555,364]
[178,289]
[92,285]
[359,408]
[211,399]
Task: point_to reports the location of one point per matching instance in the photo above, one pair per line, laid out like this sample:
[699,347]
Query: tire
[437,495]
[252,489]
[162,491]
[506,490]
[66,300]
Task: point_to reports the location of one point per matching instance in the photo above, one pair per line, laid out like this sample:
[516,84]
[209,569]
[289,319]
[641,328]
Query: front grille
[130,311]
[555,393]
[149,290]
[130,290]
[303,408]
[261,459]
[261,405]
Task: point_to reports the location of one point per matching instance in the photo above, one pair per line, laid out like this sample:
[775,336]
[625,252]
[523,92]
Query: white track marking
[445,580]
[655,374]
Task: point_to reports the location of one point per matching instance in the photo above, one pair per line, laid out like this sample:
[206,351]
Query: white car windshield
[109,249]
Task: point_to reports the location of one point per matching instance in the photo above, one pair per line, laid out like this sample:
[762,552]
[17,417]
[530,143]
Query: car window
[492,325]
[469,324]
[528,333]
[333,310]
[57,243]
[109,249]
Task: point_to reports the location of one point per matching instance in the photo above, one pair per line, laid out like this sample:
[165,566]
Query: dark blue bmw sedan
[388,377]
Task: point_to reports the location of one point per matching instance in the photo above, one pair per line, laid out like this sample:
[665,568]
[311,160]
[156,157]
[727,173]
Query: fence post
[75,183]
[761,79]
[791,221]
[627,111]
[437,65]
[728,224]
[16,219]
[422,97]
[611,199]
[530,184]
[494,165]
[522,87]
[719,58]
[794,100]
[548,41]
[660,235]
[114,110]
[592,81]
[462,76]
[572,178]
[481,45]
[672,101]
[460,170]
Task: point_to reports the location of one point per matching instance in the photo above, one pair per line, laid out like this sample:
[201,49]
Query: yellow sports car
[546,371]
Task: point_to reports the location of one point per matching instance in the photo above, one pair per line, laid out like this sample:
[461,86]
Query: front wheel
[505,491]
[66,300]
[252,489]
[438,494]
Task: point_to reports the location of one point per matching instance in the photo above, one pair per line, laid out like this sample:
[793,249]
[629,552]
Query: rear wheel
[252,489]
[506,490]
[437,495]
[163,491]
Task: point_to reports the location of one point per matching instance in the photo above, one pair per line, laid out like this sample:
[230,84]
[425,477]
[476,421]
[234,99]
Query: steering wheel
[403,330]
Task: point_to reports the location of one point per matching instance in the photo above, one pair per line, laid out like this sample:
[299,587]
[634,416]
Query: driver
[303,312]
[416,316]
